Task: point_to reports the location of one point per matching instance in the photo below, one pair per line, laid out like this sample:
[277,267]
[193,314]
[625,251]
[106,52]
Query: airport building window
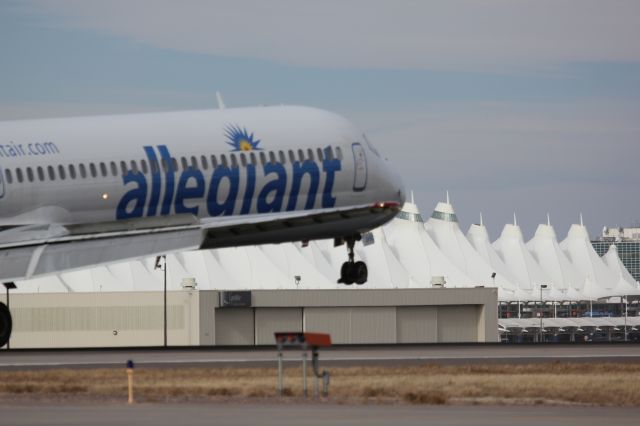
[29,174]
[52,173]
[203,160]
[72,171]
[83,171]
[61,172]
[19,176]
[8,177]
[92,169]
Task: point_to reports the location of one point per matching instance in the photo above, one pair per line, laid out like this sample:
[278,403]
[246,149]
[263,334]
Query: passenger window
[272,157]
[8,177]
[165,165]
[185,165]
[61,172]
[92,169]
[40,174]
[214,162]
[103,170]
[283,159]
[243,159]
[123,167]
[320,156]
[194,163]
[29,174]
[19,175]
[301,156]
[203,160]
[263,158]
[134,166]
[223,160]
[72,171]
[234,161]
[253,159]
[329,153]
[174,162]
[292,157]
[143,166]
[52,173]
[154,166]
[310,154]
[114,168]
[83,171]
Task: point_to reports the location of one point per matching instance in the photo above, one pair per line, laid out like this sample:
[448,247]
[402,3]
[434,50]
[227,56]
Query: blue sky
[531,107]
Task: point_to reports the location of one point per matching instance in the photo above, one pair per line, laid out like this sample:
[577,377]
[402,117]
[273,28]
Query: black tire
[346,273]
[5,324]
[361,273]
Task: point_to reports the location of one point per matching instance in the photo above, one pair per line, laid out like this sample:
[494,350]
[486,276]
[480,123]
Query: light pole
[161,263]
[542,286]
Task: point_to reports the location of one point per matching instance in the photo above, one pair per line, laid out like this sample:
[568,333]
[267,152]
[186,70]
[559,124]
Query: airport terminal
[428,283]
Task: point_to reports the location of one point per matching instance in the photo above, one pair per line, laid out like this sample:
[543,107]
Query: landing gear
[5,324]
[351,271]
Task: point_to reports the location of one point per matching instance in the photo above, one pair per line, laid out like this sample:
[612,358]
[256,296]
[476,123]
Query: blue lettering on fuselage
[184,192]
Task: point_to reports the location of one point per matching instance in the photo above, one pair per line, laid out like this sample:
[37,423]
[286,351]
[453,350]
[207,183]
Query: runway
[351,355]
[280,414]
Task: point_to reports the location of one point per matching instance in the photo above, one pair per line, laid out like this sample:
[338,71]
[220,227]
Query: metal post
[625,318]
[280,372]
[304,372]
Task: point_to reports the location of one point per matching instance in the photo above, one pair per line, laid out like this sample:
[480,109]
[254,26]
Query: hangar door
[271,320]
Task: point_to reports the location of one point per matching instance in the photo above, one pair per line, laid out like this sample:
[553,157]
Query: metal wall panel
[334,321]
[234,326]
[417,324]
[271,320]
[208,302]
[373,325]
[457,324]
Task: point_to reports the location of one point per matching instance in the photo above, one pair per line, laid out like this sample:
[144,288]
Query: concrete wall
[195,318]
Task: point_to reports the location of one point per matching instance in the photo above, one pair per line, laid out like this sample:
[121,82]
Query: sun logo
[240,140]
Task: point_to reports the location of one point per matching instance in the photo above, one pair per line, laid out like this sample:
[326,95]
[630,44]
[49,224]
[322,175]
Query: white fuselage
[208,163]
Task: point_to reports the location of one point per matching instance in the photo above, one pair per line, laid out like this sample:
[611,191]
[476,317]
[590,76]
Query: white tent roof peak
[410,207]
[545,231]
[578,231]
[512,231]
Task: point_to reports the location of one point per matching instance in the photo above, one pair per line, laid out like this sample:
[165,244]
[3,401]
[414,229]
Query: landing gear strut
[351,271]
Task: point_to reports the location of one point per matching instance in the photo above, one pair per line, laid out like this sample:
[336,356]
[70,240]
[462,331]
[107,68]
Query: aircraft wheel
[361,273]
[5,324]
[347,273]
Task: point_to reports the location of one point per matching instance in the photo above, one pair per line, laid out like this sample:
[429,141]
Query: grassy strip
[556,383]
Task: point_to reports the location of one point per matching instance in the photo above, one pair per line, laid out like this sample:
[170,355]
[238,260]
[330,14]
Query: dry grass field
[552,383]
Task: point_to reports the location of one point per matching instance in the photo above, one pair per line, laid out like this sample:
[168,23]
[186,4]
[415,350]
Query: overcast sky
[530,107]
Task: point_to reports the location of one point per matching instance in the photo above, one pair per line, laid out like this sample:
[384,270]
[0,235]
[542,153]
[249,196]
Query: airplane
[84,191]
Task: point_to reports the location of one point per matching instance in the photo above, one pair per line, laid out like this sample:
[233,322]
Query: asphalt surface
[356,355]
[279,414]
